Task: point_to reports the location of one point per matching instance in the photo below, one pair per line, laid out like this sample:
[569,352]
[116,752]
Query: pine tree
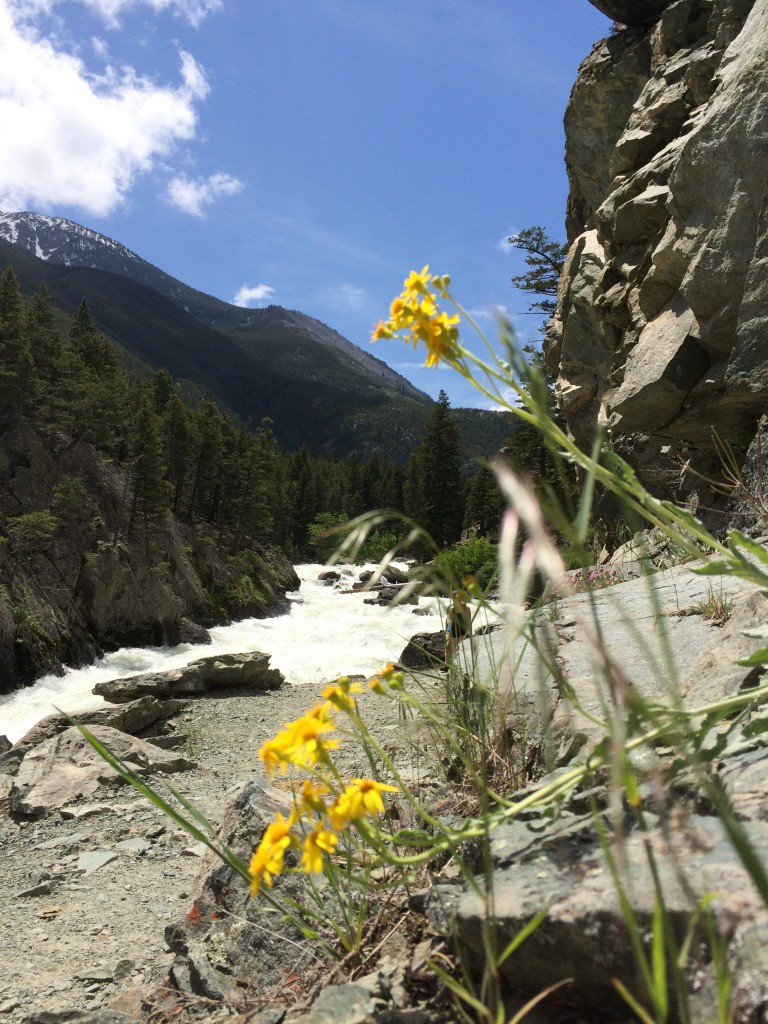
[545,260]
[18,379]
[45,345]
[485,502]
[207,454]
[443,486]
[150,490]
[179,436]
[96,351]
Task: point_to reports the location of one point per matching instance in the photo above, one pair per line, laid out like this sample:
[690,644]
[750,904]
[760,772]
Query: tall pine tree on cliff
[442,489]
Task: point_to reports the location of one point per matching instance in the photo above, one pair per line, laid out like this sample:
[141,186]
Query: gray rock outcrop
[67,768]
[663,302]
[130,718]
[631,12]
[92,585]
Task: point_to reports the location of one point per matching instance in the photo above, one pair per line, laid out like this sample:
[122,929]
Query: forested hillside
[317,388]
[127,506]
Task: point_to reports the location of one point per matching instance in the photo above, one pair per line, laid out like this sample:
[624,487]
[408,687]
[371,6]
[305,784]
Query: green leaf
[659,959]
[759,657]
[523,1012]
[633,1004]
[716,568]
[522,935]
[412,837]
[459,990]
[743,541]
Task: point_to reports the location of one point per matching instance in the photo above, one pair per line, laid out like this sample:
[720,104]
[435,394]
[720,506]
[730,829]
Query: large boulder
[584,937]
[130,718]
[222,953]
[249,671]
[67,768]
[424,650]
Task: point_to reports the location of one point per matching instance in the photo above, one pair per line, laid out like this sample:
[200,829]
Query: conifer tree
[45,346]
[96,351]
[485,502]
[545,259]
[207,453]
[18,379]
[441,473]
[150,490]
[179,436]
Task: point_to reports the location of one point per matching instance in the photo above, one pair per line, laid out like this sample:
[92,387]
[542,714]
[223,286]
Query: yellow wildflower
[267,860]
[338,693]
[308,744]
[387,675]
[418,282]
[380,331]
[319,841]
[360,798]
[302,742]
[398,308]
[414,314]
[310,799]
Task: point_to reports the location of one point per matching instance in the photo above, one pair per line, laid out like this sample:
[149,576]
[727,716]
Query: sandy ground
[75,936]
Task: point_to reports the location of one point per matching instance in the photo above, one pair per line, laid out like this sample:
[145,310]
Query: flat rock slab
[66,768]
[648,634]
[339,1004]
[584,937]
[92,860]
[249,671]
[130,718]
[101,1016]
[135,844]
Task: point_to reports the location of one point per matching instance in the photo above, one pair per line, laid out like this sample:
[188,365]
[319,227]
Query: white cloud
[193,195]
[72,137]
[489,313]
[345,296]
[253,293]
[193,11]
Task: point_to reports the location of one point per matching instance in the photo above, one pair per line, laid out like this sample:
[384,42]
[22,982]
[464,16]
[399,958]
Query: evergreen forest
[183,454]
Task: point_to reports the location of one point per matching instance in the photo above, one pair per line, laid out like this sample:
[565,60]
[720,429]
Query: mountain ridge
[63,242]
[316,387]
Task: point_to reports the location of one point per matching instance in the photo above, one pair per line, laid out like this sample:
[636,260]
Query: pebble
[41,889]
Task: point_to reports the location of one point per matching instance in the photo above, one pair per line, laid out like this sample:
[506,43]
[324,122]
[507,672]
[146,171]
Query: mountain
[317,387]
[64,243]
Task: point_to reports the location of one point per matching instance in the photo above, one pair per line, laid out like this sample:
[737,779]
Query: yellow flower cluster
[323,807]
[415,316]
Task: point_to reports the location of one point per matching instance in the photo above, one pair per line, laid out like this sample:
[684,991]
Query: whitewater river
[326,634]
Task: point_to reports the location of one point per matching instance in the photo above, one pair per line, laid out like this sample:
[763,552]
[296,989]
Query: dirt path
[84,901]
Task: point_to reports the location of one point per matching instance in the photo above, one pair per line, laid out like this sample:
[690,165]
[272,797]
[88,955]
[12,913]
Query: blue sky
[303,152]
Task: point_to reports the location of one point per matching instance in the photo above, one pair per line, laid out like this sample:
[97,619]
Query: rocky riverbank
[107,905]
[76,580]
[89,887]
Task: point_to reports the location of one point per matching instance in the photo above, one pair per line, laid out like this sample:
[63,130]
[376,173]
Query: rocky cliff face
[93,584]
[663,305]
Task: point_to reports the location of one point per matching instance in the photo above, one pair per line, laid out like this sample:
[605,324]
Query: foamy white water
[326,634]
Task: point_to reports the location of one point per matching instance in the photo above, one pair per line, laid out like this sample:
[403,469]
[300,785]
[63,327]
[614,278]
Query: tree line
[199,462]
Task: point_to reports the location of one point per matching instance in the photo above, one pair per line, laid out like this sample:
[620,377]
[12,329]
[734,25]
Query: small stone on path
[93,860]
